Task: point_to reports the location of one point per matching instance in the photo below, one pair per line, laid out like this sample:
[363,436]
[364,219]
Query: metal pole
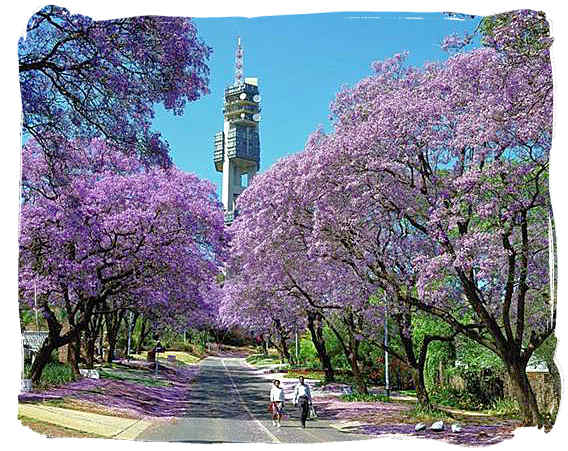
[387,382]
[297,353]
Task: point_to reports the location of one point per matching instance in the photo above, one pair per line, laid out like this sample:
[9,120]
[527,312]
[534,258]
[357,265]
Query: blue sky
[301,61]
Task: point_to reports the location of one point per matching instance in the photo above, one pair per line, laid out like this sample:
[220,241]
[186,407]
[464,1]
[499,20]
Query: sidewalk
[103,425]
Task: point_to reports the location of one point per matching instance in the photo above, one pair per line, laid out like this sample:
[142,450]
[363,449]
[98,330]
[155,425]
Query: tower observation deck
[237,147]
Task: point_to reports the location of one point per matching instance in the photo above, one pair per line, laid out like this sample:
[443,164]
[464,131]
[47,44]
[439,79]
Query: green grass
[361,397]
[181,357]
[263,360]
[424,415]
[51,430]
[407,392]
[505,408]
[294,374]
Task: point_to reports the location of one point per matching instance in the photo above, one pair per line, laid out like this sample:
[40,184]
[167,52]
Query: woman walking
[276,402]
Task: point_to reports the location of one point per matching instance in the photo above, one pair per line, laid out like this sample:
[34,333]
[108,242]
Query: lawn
[181,356]
[307,374]
[51,430]
[259,360]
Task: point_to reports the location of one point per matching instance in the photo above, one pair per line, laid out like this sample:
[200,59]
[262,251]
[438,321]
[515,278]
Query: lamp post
[297,350]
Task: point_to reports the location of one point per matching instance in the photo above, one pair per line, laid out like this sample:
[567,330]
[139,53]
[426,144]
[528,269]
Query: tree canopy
[82,78]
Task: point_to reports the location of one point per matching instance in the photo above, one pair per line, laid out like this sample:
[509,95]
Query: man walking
[302,398]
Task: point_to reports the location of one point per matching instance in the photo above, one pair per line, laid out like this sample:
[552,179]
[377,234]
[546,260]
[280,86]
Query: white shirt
[302,390]
[276,394]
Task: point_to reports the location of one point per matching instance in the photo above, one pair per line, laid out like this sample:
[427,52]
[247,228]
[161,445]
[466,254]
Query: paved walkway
[104,425]
[229,402]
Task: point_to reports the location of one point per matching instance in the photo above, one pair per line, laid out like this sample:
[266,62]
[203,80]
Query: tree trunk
[41,359]
[142,336]
[130,323]
[350,349]
[92,332]
[354,361]
[316,331]
[74,350]
[420,386]
[90,348]
[360,384]
[113,321]
[284,351]
[556,386]
[530,414]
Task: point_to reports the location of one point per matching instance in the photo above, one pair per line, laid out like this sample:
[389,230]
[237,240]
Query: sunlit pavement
[229,403]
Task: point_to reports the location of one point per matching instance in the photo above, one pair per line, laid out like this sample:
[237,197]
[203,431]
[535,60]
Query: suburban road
[228,403]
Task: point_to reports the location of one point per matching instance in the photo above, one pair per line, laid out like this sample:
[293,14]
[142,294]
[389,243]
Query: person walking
[302,398]
[276,402]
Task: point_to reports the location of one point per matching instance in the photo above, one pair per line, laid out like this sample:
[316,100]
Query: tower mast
[238,63]
[237,147]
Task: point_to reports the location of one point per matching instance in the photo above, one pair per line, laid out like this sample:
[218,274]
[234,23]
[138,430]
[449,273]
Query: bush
[53,374]
[505,407]
[453,397]
[308,354]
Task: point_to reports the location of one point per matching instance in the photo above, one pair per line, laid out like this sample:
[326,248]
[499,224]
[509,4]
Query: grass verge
[294,374]
[181,357]
[51,430]
[263,360]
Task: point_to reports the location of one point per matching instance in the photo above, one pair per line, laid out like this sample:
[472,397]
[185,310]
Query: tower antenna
[239,63]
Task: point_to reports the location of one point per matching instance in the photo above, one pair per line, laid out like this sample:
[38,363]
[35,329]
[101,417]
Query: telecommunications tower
[237,146]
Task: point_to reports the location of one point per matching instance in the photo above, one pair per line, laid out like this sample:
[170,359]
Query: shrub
[453,397]
[53,374]
[505,407]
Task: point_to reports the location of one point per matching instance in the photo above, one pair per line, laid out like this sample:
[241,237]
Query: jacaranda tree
[115,235]
[82,78]
[454,158]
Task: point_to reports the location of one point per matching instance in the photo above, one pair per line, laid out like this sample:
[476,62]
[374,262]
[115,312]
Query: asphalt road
[228,403]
